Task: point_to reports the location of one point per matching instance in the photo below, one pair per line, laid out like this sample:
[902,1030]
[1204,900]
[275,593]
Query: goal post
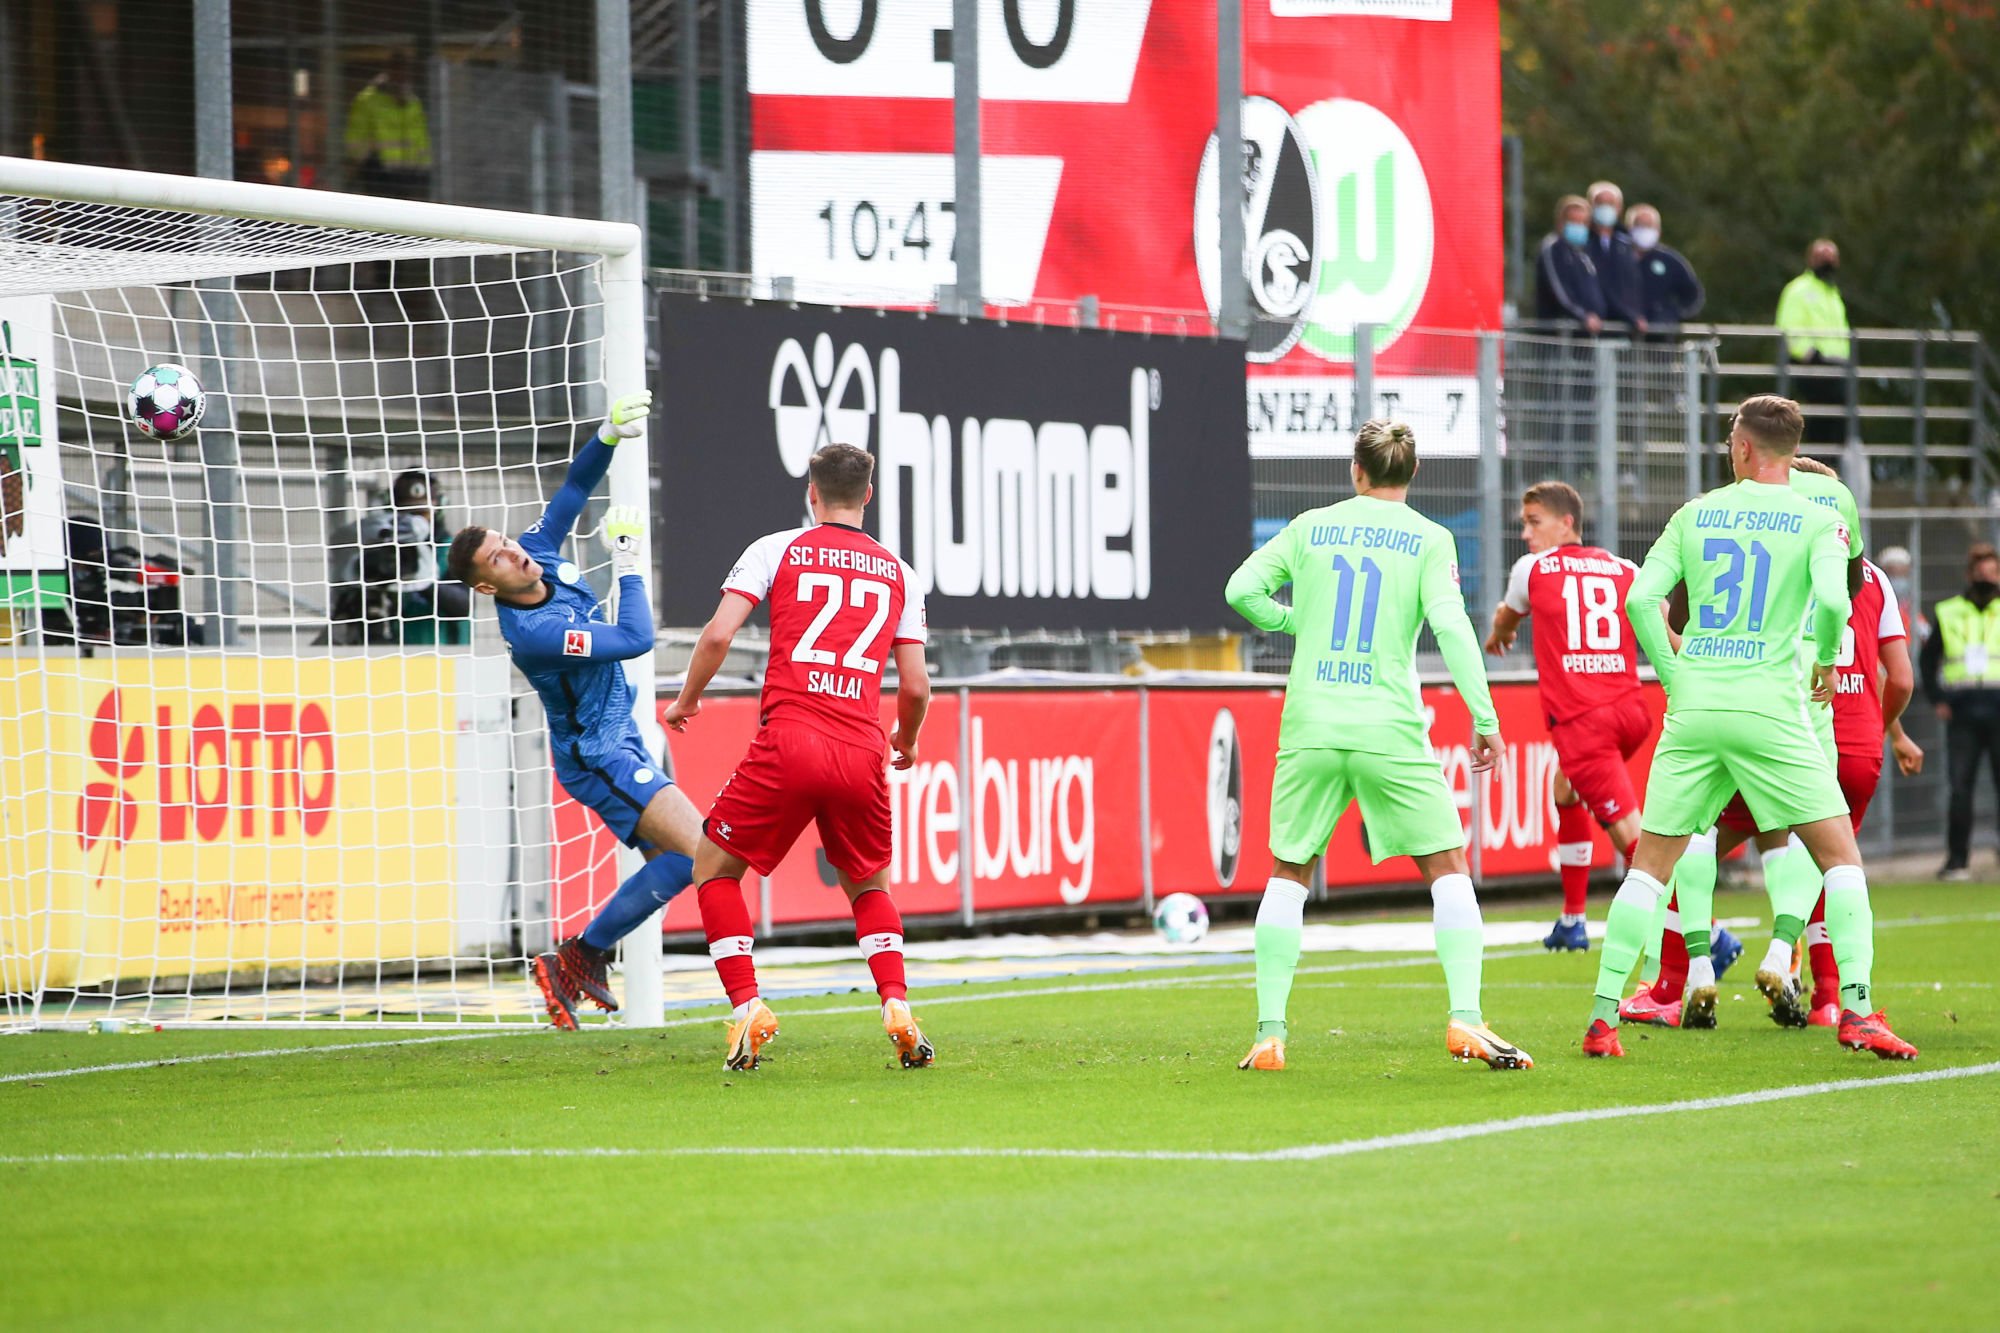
[256,761]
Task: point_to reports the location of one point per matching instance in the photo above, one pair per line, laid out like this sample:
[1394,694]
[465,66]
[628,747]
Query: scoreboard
[1371,172]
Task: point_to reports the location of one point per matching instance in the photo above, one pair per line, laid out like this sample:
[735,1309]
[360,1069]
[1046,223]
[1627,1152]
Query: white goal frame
[623,306]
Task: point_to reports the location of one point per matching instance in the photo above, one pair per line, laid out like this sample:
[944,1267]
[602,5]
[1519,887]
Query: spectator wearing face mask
[1566,279]
[1896,563]
[1669,291]
[1611,251]
[1960,667]
[1813,320]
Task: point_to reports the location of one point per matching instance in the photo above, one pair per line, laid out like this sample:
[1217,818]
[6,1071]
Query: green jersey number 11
[1347,574]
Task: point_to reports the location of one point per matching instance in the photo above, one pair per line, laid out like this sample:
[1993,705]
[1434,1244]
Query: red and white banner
[1371,172]
[1036,796]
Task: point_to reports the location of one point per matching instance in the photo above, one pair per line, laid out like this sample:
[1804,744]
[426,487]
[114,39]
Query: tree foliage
[1756,125]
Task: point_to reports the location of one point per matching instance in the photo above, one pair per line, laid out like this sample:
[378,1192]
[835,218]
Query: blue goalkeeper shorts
[617,786]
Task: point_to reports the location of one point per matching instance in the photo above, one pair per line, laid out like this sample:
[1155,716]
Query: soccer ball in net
[1181,918]
[166,402]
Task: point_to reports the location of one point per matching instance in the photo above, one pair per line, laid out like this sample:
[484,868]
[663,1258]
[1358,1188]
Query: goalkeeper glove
[624,530]
[628,417]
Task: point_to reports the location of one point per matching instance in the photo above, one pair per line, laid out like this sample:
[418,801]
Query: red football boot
[1642,1006]
[1602,1039]
[1872,1034]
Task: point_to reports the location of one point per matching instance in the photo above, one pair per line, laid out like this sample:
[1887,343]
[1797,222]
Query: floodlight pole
[969,282]
[1233,292]
[222,459]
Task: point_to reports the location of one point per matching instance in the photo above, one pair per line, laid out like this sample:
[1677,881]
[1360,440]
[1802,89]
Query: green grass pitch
[1863,1206]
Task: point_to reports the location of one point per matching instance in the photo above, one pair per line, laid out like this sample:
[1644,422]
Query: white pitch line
[1308,1152]
[928,1001]
[1148,983]
[168,1061]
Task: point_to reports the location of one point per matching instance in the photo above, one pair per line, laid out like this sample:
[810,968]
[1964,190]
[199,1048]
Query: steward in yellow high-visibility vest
[388,140]
[1813,319]
[1960,664]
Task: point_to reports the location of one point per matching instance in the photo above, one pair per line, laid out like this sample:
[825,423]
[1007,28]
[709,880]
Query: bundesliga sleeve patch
[576,643]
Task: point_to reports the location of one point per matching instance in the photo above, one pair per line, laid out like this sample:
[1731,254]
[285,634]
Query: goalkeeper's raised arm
[555,629]
[511,571]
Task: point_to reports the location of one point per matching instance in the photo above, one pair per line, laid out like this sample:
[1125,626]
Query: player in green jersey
[1754,556]
[1685,994]
[1366,574]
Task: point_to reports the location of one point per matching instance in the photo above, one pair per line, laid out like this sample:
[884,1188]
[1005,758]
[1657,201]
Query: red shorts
[1859,775]
[793,776]
[1592,749]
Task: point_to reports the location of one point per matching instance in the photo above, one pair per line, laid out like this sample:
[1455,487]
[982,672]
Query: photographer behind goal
[386,573]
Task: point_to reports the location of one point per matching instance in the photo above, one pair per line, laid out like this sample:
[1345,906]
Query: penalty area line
[1310,1152]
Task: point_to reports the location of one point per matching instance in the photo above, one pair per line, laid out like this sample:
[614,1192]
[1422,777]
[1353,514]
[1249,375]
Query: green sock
[1625,927]
[1656,934]
[1463,954]
[1694,888]
[1460,937]
[1850,922]
[1280,927]
[1277,960]
[1793,882]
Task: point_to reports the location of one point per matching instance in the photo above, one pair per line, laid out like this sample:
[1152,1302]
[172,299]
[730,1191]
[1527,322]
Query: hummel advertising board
[1371,174]
[1031,476]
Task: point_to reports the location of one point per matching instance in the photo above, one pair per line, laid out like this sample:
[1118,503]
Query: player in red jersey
[841,605]
[1586,666]
[1873,685]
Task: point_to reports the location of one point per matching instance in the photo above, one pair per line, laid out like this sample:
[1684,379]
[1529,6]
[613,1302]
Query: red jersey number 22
[834,593]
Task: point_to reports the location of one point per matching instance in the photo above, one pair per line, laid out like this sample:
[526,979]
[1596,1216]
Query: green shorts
[1707,755]
[1405,806]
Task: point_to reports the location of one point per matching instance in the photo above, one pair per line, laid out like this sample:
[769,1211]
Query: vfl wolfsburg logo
[1368,244]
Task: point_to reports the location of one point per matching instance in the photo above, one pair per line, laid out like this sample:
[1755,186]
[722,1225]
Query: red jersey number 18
[1592,603]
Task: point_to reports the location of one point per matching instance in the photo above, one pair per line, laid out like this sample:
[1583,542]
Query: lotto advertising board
[1371,173]
[1030,476]
[194,814]
[1047,800]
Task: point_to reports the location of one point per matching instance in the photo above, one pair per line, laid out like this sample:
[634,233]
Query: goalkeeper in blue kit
[550,618]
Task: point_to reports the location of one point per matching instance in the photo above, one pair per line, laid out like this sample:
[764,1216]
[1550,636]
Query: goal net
[258,759]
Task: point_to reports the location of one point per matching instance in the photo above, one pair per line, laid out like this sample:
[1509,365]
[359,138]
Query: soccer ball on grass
[1181,918]
[166,402]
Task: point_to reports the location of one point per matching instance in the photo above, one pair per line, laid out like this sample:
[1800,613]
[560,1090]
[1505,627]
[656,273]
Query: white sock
[1641,890]
[1454,906]
[1284,904]
[1777,958]
[1701,844]
[1701,971]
